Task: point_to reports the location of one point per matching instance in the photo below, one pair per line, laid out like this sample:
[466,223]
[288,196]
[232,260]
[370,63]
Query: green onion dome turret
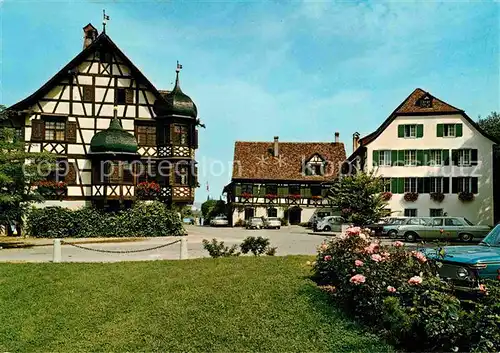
[114,140]
[175,103]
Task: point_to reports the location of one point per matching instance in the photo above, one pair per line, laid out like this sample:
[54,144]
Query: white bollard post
[56,256]
[184,248]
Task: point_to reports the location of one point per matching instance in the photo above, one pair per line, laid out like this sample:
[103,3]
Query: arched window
[315,166]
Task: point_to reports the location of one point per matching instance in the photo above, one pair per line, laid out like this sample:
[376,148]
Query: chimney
[355,141]
[89,35]
[276,147]
[337,136]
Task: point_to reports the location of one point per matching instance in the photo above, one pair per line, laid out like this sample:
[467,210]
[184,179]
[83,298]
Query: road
[292,240]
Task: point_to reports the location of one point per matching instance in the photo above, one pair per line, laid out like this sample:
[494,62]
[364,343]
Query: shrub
[256,246]
[218,249]
[284,221]
[397,292]
[143,220]
[239,223]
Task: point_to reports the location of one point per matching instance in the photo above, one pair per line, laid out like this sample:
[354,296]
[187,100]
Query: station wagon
[445,228]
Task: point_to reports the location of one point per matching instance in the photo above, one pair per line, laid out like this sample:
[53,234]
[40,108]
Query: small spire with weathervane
[104,19]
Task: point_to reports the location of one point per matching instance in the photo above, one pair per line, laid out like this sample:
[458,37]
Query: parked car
[330,224]
[219,221]
[446,228]
[392,229]
[379,228]
[255,223]
[464,265]
[272,222]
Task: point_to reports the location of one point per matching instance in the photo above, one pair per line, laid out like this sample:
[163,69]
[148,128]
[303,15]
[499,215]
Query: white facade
[479,210]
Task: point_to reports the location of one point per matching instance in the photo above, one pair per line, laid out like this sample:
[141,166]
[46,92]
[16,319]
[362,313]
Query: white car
[219,221]
[272,222]
[255,223]
[330,224]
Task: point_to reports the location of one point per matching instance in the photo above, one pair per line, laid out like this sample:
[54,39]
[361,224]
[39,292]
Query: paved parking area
[292,240]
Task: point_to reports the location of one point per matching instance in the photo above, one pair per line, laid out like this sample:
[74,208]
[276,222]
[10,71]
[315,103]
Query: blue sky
[300,70]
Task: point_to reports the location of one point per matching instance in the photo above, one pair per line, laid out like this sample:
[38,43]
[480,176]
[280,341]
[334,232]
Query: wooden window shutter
[70,177]
[439,130]
[71,132]
[426,158]
[446,185]
[454,185]
[420,130]
[37,130]
[237,190]
[401,131]
[401,185]
[171,180]
[458,130]
[394,185]
[427,185]
[446,157]
[375,158]
[474,186]
[129,96]
[420,157]
[454,157]
[193,177]
[420,185]
[401,157]
[394,157]
[171,134]
[473,157]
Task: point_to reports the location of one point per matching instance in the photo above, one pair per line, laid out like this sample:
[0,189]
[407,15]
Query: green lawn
[236,304]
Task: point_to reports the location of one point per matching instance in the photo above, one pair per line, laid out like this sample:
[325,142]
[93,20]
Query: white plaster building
[429,148]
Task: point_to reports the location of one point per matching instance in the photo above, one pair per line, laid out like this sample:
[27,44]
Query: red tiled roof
[255,160]
[438,106]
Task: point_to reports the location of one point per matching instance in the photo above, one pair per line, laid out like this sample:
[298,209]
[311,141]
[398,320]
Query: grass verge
[233,304]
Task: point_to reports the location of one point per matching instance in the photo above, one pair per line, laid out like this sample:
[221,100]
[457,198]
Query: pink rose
[415,280]
[323,247]
[391,289]
[358,263]
[327,258]
[398,244]
[482,288]
[376,257]
[356,279]
[372,248]
[385,255]
[353,231]
[419,256]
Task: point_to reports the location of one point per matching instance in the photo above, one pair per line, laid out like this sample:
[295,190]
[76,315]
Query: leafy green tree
[491,124]
[359,198]
[19,171]
[213,208]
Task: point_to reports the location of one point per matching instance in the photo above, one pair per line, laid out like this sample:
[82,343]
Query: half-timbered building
[289,180]
[117,137]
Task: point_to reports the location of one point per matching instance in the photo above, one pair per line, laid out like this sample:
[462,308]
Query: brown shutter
[70,177]
[173,167]
[129,96]
[37,130]
[195,139]
[71,132]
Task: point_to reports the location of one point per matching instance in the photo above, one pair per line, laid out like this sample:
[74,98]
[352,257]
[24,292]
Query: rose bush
[397,292]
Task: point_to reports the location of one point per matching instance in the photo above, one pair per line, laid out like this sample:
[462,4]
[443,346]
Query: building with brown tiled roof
[282,179]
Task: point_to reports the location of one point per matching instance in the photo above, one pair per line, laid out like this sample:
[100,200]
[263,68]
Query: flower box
[386,196]
[411,196]
[317,197]
[465,196]
[437,196]
[52,189]
[271,196]
[147,190]
[294,196]
[246,195]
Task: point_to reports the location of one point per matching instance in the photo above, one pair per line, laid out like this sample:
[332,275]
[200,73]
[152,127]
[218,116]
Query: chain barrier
[121,251]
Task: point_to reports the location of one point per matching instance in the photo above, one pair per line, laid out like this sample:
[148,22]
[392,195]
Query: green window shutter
[458,130]
[401,157]
[401,131]
[420,130]
[375,158]
[420,157]
[305,191]
[237,190]
[394,157]
[401,185]
[439,130]
[445,154]
[426,157]
[394,185]
[256,189]
[282,190]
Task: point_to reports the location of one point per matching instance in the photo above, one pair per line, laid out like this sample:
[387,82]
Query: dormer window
[425,102]
[315,166]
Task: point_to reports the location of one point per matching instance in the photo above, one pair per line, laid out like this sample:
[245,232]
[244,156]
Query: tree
[491,124]
[19,171]
[212,208]
[359,198]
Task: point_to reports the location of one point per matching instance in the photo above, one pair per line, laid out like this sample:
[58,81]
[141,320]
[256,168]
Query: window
[437,222]
[410,157]
[410,212]
[105,57]
[410,184]
[124,96]
[128,172]
[410,131]
[416,222]
[436,185]
[316,190]
[180,134]
[247,188]
[449,130]
[452,222]
[146,135]
[425,102]
[435,158]
[55,130]
[294,189]
[88,93]
[315,166]
[386,184]
[272,212]
[271,189]
[181,175]
[464,157]
[465,184]
[60,171]
[385,158]
[249,213]
[436,212]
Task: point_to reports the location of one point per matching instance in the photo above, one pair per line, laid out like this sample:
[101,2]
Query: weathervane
[179,67]
[104,19]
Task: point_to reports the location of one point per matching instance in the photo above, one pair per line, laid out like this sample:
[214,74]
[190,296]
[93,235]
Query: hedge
[143,220]
[397,293]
